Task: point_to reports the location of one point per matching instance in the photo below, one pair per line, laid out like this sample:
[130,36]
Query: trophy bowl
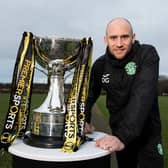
[47,126]
[56,48]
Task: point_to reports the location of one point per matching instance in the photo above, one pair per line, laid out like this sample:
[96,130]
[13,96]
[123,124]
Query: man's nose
[119,42]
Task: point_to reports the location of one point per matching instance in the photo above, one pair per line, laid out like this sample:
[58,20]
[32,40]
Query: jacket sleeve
[142,96]
[94,89]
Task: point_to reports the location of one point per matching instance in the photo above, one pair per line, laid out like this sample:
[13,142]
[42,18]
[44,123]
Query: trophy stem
[47,126]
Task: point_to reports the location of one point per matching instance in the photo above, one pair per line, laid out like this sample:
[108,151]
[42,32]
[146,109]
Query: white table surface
[87,151]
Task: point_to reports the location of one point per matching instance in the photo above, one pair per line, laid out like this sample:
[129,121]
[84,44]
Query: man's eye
[125,37]
[113,37]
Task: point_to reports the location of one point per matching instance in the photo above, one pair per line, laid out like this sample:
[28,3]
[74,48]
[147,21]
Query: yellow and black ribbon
[75,115]
[20,97]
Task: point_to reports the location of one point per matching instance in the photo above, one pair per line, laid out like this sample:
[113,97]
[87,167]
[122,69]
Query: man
[128,72]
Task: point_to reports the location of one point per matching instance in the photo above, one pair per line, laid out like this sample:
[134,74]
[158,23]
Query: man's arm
[142,98]
[94,90]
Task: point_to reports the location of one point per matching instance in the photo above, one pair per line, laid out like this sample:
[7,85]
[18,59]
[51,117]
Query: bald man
[128,73]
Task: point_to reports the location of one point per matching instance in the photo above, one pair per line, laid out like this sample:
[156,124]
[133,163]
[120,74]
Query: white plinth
[87,151]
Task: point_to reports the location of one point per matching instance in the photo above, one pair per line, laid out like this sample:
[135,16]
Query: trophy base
[43,141]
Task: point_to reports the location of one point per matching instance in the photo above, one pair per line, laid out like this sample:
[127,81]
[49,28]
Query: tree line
[43,88]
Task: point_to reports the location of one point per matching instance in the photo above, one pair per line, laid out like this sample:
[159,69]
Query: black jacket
[131,92]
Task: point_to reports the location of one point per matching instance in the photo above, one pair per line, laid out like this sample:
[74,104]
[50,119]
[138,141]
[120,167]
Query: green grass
[163,105]
[6,159]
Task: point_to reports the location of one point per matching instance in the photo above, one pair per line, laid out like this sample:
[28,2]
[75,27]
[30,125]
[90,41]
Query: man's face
[119,39]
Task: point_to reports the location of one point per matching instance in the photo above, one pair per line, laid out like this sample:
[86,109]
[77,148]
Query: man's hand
[89,128]
[110,143]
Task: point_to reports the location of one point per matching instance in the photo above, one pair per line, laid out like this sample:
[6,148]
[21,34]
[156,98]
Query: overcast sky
[78,19]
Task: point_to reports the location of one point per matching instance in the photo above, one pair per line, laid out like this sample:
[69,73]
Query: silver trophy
[47,125]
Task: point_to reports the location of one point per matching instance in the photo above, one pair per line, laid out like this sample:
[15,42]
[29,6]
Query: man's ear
[133,38]
[105,40]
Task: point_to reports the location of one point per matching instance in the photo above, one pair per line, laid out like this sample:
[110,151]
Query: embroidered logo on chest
[105,78]
[130,68]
